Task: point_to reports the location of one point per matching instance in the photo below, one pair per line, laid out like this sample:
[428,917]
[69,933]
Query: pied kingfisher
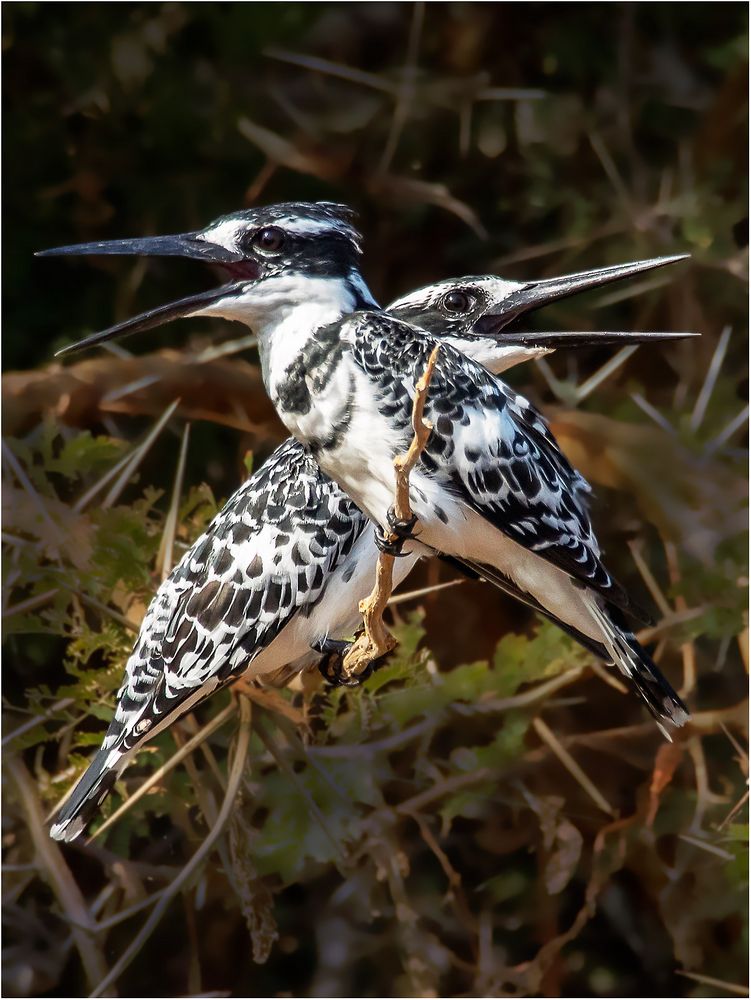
[283,565]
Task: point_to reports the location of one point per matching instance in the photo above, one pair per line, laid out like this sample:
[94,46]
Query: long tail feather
[619,646]
[638,666]
[91,790]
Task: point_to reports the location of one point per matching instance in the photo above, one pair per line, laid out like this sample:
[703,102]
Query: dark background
[522,139]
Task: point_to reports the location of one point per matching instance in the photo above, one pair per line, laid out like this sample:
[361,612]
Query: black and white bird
[282,567]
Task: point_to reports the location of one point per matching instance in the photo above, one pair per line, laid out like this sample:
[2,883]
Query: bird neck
[291,311]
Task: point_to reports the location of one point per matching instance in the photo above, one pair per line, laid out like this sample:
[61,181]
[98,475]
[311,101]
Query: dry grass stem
[156,777]
[688,650]
[34,496]
[35,720]
[702,400]
[727,432]
[735,988]
[170,525]
[653,413]
[608,369]
[549,737]
[516,701]
[405,94]
[735,810]
[120,392]
[103,480]
[233,784]
[105,609]
[138,456]
[649,633]
[607,678]
[705,845]
[376,640]
[413,595]
[313,808]
[58,874]
[647,576]
[30,604]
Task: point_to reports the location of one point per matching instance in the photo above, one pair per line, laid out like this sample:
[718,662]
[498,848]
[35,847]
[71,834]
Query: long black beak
[189,306]
[590,338]
[185,245]
[537,294]
[189,245]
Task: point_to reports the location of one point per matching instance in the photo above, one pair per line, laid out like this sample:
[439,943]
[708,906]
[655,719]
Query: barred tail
[638,666]
[93,787]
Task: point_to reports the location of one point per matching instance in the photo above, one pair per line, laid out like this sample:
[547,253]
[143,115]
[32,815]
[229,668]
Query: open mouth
[237,268]
[501,324]
[504,323]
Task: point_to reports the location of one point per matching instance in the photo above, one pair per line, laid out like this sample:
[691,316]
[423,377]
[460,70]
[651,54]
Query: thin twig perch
[376,640]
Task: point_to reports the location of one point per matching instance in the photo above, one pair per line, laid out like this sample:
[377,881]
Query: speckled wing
[532,420]
[489,445]
[264,558]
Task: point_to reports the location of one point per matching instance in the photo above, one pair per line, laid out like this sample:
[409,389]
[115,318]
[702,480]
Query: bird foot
[331,667]
[399,532]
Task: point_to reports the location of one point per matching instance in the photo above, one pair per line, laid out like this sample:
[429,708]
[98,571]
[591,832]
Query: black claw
[331,667]
[388,544]
[399,532]
[403,529]
[328,646]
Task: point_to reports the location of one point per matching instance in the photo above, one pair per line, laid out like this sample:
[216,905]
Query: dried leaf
[561,840]
[667,760]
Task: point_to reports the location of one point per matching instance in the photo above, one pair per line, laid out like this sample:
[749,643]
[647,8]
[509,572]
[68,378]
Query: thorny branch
[376,640]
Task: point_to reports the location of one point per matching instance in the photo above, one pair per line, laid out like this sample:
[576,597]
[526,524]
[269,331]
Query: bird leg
[400,527]
[331,667]
[243,685]
[376,640]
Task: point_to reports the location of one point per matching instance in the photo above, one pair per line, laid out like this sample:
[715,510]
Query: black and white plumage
[273,571]
[280,568]
[491,490]
[289,556]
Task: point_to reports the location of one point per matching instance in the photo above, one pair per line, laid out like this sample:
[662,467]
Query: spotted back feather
[263,559]
[488,444]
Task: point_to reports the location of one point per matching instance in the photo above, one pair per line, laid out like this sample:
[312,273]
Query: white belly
[551,587]
[336,614]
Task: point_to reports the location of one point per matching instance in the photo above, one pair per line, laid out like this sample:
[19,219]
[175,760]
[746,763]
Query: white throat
[310,302]
[284,312]
[289,310]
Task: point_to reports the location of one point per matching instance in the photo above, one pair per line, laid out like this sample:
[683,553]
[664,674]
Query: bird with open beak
[277,576]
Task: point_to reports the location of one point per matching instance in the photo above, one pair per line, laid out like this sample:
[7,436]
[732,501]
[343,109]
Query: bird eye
[270,239]
[456,302]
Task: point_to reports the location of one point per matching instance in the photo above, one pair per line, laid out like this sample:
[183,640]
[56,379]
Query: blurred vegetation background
[489,815]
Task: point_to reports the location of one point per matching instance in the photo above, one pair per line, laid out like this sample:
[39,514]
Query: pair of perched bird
[274,582]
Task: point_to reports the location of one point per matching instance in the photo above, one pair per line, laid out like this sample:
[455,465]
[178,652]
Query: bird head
[294,253]
[270,256]
[482,314]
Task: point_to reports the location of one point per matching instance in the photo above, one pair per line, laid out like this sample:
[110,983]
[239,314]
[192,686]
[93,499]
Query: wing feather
[264,558]
[489,446]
